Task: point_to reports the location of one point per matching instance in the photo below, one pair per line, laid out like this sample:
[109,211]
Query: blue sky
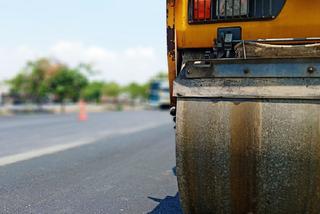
[124,40]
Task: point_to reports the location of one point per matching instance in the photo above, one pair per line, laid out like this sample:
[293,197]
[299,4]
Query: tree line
[45,80]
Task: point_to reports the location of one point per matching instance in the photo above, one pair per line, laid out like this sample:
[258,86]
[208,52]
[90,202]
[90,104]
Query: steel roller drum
[250,156]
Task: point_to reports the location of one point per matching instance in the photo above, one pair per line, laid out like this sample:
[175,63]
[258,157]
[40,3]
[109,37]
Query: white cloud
[132,64]
[140,51]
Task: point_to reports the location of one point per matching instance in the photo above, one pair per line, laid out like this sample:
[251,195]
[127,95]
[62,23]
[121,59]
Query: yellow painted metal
[171,43]
[298,19]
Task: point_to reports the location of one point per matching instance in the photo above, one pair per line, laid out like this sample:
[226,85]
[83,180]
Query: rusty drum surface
[249,156]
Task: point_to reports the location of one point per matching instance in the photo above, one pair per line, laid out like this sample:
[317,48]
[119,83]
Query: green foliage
[93,92]
[18,85]
[30,84]
[112,89]
[137,91]
[42,78]
[67,84]
[160,76]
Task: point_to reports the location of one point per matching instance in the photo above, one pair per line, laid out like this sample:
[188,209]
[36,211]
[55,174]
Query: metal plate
[253,68]
[264,88]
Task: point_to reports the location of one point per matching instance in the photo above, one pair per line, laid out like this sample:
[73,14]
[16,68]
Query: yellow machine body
[297,19]
[248,124]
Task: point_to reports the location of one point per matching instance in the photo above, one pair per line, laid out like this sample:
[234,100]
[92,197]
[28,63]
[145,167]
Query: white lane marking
[11,159]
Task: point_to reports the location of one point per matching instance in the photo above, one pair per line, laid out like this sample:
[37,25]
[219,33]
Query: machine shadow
[168,205]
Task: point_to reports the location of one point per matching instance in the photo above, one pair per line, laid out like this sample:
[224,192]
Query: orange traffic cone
[83,116]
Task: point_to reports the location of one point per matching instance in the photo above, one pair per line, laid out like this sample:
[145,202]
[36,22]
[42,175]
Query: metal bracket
[226,41]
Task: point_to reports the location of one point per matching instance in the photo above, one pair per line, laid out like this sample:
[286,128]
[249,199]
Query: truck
[159,96]
[245,94]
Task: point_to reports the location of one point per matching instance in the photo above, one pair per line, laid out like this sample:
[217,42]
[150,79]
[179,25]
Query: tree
[31,83]
[93,92]
[19,85]
[137,91]
[67,84]
[112,89]
[38,85]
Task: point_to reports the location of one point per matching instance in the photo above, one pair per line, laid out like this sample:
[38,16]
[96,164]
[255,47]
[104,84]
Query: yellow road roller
[245,90]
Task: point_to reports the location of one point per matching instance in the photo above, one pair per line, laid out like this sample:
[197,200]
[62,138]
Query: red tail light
[201,9]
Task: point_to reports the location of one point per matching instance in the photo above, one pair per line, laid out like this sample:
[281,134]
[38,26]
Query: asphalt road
[117,162]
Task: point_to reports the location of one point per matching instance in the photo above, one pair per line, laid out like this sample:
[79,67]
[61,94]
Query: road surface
[116,162]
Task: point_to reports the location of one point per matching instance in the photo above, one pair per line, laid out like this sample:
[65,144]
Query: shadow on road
[168,205]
